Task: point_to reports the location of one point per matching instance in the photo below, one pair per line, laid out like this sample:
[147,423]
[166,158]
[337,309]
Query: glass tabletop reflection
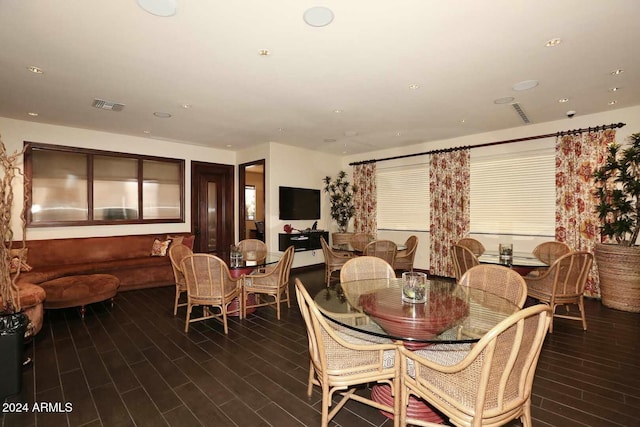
[451,314]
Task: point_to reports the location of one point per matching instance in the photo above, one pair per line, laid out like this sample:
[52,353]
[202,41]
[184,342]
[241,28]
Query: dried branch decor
[8,286]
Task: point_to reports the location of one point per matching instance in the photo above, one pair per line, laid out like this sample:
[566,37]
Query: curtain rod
[488,144]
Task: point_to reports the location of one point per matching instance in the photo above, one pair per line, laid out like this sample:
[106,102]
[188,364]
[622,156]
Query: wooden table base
[417,409]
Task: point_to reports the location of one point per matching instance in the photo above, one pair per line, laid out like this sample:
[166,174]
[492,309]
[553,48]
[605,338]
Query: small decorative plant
[341,198]
[618,193]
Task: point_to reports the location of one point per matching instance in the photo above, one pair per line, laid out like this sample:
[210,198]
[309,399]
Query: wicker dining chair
[209,284]
[463,260]
[385,249]
[563,284]
[495,279]
[340,363]
[366,267]
[253,249]
[273,282]
[490,384]
[474,245]
[498,280]
[333,260]
[548,252]
[176,254]
[359,240]
[405,258]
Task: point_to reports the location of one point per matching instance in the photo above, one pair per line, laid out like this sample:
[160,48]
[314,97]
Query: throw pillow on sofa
[15,263]
[160,247]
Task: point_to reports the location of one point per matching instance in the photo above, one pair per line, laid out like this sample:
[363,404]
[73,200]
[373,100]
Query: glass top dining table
[451,314]
[346,247]
[517,260]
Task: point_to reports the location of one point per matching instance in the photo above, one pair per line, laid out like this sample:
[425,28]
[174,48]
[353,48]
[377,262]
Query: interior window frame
[140,158]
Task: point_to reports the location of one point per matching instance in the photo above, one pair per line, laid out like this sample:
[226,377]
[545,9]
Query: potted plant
[13,324]
[340,192]
[618,257]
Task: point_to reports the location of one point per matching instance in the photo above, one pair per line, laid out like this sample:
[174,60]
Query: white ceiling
[463,54]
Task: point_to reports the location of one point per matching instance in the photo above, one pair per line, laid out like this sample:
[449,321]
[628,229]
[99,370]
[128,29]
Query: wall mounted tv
[299,203]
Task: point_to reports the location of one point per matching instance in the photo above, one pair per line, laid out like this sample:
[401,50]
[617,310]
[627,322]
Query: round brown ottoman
[78,291]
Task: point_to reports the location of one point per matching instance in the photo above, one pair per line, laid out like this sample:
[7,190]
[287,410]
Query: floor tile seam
[206,396]
[150,399]
[604,403]
[598,381]
[607,392]
[589,414]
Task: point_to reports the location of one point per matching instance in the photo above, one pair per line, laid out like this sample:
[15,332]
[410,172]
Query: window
[513,193]
[72,186]
[403,197]
[250,202]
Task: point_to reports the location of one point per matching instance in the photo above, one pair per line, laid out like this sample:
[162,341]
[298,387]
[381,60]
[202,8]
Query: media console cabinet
[306,241]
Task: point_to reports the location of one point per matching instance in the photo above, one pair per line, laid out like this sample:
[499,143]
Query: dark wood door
[212,207]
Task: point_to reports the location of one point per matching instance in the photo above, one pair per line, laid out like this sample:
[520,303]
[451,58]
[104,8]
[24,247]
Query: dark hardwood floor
[132,365]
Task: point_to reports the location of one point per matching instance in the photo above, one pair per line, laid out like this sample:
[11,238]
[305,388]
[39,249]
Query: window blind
[513,194]
[403,197]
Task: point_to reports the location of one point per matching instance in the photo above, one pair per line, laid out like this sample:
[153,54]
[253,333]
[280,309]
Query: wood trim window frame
[91,153]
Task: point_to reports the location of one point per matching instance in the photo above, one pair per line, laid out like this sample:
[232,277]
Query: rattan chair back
[463,260]
[176,254]
[491,385]
[385,249]
[333,261]
[366,267]
[338,364]
[359,240]
[549,252]
[272,283]
[498,280]
[210,284]
[405,258]
[253,249]
[563,284]
[472,244]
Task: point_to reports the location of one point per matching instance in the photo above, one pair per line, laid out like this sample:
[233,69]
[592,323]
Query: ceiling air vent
[521,113]
[107,105]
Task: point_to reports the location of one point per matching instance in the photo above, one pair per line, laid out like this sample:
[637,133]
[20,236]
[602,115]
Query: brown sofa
[126,257]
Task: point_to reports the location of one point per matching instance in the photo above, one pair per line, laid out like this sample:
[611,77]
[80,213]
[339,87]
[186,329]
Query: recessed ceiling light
[32,114]
[186,106]
[280,129]
[162,8]
[147,131]
[525,85]
[505,100]
[264,52]
[617,72]
[228,145]
[35,70]
[337,111]
[463,121]
[162,115]
[563,100]
[318,16]
[553,42]
[414,86]
[614,89]
[613,102]
[398,133]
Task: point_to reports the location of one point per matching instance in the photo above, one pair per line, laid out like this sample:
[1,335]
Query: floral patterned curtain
[449,187]
[577,224]
[364,177]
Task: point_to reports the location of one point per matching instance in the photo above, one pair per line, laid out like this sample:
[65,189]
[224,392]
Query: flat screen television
[299,203]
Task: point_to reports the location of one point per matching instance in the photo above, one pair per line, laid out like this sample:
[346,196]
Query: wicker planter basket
[619,272]
[341,238]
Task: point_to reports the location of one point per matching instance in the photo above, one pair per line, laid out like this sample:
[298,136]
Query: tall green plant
[340,193]
[618,192]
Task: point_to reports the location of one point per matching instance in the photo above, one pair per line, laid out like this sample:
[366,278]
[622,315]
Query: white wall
[297,167]
[630,116]
[15,132]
